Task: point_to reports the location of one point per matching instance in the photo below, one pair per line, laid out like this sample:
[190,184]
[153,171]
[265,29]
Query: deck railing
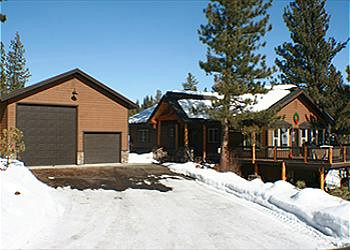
[306,153]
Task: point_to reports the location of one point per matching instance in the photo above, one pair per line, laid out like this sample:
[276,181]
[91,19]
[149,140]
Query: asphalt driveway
[118,178]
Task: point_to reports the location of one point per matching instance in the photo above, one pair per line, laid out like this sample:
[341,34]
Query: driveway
[148,207]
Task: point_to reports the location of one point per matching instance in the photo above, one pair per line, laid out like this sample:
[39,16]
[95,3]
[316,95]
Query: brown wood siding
[288,111]
[3,117]
[296,105]
[96,112]
[142,147]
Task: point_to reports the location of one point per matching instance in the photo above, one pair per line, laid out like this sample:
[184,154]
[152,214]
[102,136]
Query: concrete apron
[89,165]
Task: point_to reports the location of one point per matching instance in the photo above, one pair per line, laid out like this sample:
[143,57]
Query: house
[71,118]
[177,122]
[181,120]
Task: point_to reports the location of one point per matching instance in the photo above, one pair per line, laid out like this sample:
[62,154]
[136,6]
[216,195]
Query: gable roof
[75,73]
[190,105]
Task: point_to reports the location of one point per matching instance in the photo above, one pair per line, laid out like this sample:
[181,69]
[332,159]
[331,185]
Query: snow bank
[141,158]
[26,205]
[328,214]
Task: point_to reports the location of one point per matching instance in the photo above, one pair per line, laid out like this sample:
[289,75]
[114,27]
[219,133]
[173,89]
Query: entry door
[102,147]
[49,134]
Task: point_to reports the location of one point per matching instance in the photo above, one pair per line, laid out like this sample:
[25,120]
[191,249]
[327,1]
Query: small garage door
[49,134]
[101,147]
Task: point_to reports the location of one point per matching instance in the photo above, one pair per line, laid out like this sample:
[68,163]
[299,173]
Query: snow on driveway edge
[326,213]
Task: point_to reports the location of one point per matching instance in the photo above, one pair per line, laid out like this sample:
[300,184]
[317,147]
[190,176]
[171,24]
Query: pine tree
[233,35]
[347,70]
[2,16]
[16,71]
[157,97]
[307,60]
[191,83]
[3,84]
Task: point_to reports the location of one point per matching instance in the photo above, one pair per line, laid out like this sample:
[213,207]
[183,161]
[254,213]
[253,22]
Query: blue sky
[134,46]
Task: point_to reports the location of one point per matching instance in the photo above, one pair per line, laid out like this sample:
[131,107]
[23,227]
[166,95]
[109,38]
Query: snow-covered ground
[328,214]
[27,205]
[192,216]
[141,158]
[208,213]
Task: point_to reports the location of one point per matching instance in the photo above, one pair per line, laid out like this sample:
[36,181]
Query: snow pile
[143,116]
[26,205]
[141,158]
[326,213]
[195,108]
[333,179]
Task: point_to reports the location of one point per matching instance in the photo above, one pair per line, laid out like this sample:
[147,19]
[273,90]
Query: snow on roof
[143,116]
[265,101]
[195,108]
[198,93]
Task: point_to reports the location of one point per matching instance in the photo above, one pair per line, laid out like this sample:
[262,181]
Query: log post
[176,136]
[204,142]
[322,178]
[344,153]
[158,133]
[305,154]
[256,169]
[186,135]
[330,155]
[284,171]
[275,153]
[253,153]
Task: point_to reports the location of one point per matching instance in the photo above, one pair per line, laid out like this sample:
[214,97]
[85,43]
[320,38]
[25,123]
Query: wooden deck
[320,159]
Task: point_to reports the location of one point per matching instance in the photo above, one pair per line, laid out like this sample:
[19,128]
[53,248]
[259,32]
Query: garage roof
[43,85]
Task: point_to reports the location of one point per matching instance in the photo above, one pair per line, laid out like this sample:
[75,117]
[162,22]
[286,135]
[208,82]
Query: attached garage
[69,119]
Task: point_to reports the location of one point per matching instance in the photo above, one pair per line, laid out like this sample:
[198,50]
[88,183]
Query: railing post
[284,171]
[256,169]
[344,153]
[305,154]
[274,153]
[330,155]
[322,178]
[253,153]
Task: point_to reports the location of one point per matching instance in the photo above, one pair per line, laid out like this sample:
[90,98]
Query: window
[284,137]
[303,136]
[171,132]
[248,140]
[280,137]
[143,135]
[213,135]
[275,138]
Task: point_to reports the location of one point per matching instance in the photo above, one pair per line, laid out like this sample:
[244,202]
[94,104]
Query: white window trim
[279,137]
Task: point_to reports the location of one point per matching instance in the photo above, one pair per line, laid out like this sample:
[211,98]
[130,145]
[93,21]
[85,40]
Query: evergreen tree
[307,60]
[191,83]
[2,16]
[16,71]
[233,35]
[3,84]
[347,70]
[135,110]
[157,97]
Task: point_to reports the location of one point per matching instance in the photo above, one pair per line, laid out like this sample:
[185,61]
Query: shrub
[11,144]
[300,184]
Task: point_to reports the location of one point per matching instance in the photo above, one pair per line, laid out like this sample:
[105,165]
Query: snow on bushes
[141,158]
[26,205]
[326,213]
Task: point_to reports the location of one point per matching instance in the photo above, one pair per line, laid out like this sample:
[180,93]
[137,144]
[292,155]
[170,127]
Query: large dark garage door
[101,147]
[49,134]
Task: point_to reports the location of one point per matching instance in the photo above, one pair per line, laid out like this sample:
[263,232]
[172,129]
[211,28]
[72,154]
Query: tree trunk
[225,151]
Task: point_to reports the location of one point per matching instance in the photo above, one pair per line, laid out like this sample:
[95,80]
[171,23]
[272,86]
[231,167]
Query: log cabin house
[299,139]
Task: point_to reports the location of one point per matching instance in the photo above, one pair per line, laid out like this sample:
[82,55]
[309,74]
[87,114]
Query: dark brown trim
[53,81]
[47,104]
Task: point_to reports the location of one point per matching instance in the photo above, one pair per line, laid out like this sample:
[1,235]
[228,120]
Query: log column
[158,133]
[253,153]
[330,155]
[204,142]
[284,171]
[344,153]
[322,178]
[186,135]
